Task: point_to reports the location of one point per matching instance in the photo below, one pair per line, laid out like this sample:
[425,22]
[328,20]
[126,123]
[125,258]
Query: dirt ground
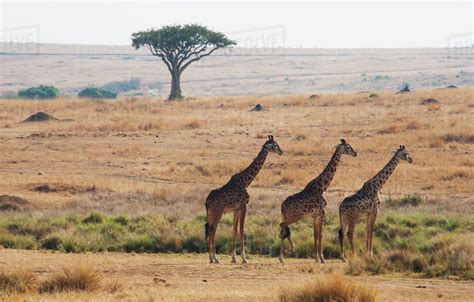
[163,277]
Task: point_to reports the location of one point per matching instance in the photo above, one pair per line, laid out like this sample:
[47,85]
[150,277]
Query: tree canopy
[180,45]
[41,92]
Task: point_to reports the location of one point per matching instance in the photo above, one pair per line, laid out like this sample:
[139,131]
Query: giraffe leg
[209,242]
[320,238]
[367,235]
[284,233]
[318,228]
[342,231]
[292,244]
[242,235]
[212,234]
[234,234]
[350,236]
[282,246]
[214,247]
[370,234]
[212,238]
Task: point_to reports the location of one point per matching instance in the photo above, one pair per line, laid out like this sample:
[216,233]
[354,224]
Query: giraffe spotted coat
[311,202]
[364,205]
[233,197]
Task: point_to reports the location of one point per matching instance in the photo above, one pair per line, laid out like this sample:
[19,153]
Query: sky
[253,24]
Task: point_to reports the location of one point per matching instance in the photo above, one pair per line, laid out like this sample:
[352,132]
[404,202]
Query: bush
[334,288]
[52,243]
[122,220]
[407,200]
[79,278]
[123,86]
[97,93]
[40,93]
[93,218]
[17,282]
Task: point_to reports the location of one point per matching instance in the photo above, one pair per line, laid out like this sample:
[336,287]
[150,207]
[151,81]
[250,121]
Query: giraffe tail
[206,230]
[285,231]
[341,235]
[288,232]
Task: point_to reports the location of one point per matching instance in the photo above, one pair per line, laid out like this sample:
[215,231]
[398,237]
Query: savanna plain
[107,201]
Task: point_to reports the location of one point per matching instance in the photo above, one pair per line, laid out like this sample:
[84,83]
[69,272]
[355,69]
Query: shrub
[20,281]
[399,260]
[463,138]
[418,264]
[78,278]
[453,260]
[123,86]
[356,266]
[93,217]
[97,93]
[334,288]
[41,92]
[407,200]
[375,266]
[51,243]
[122,220]
[405,87]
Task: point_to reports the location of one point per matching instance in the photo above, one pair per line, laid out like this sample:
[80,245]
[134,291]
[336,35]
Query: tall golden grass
[139,143]
[332,288]
[19,281]
[78,277]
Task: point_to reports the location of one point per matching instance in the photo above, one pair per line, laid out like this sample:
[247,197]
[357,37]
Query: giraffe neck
[246,177]
[324,179]
[381,178]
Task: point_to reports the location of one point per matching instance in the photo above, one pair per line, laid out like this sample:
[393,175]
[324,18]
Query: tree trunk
[175,93]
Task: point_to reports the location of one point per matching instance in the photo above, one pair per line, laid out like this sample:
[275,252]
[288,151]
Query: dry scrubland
[237,71]
[132,176]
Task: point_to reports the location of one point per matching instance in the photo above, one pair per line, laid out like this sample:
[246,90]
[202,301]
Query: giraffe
[365,203]
[311,201]
[233,197]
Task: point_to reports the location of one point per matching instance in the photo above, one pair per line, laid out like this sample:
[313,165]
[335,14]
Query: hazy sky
[274,24]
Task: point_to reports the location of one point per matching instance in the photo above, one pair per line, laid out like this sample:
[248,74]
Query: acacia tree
[180,45]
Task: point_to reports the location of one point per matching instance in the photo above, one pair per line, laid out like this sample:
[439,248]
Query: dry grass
[188,277]
[458,173]
[447,258]
[77,278]
[73,278]
[333,288]
[131,145]
[194,124]
[19,281]
[463,138]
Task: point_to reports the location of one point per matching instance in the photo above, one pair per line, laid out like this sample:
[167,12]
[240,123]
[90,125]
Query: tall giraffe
[233,197]
[311,201]
[365,203]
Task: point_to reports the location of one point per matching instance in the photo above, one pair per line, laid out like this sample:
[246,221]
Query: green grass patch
[427,244]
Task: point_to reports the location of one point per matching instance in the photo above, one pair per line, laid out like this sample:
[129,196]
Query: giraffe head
[346,148]
[402,154]
[272,146]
